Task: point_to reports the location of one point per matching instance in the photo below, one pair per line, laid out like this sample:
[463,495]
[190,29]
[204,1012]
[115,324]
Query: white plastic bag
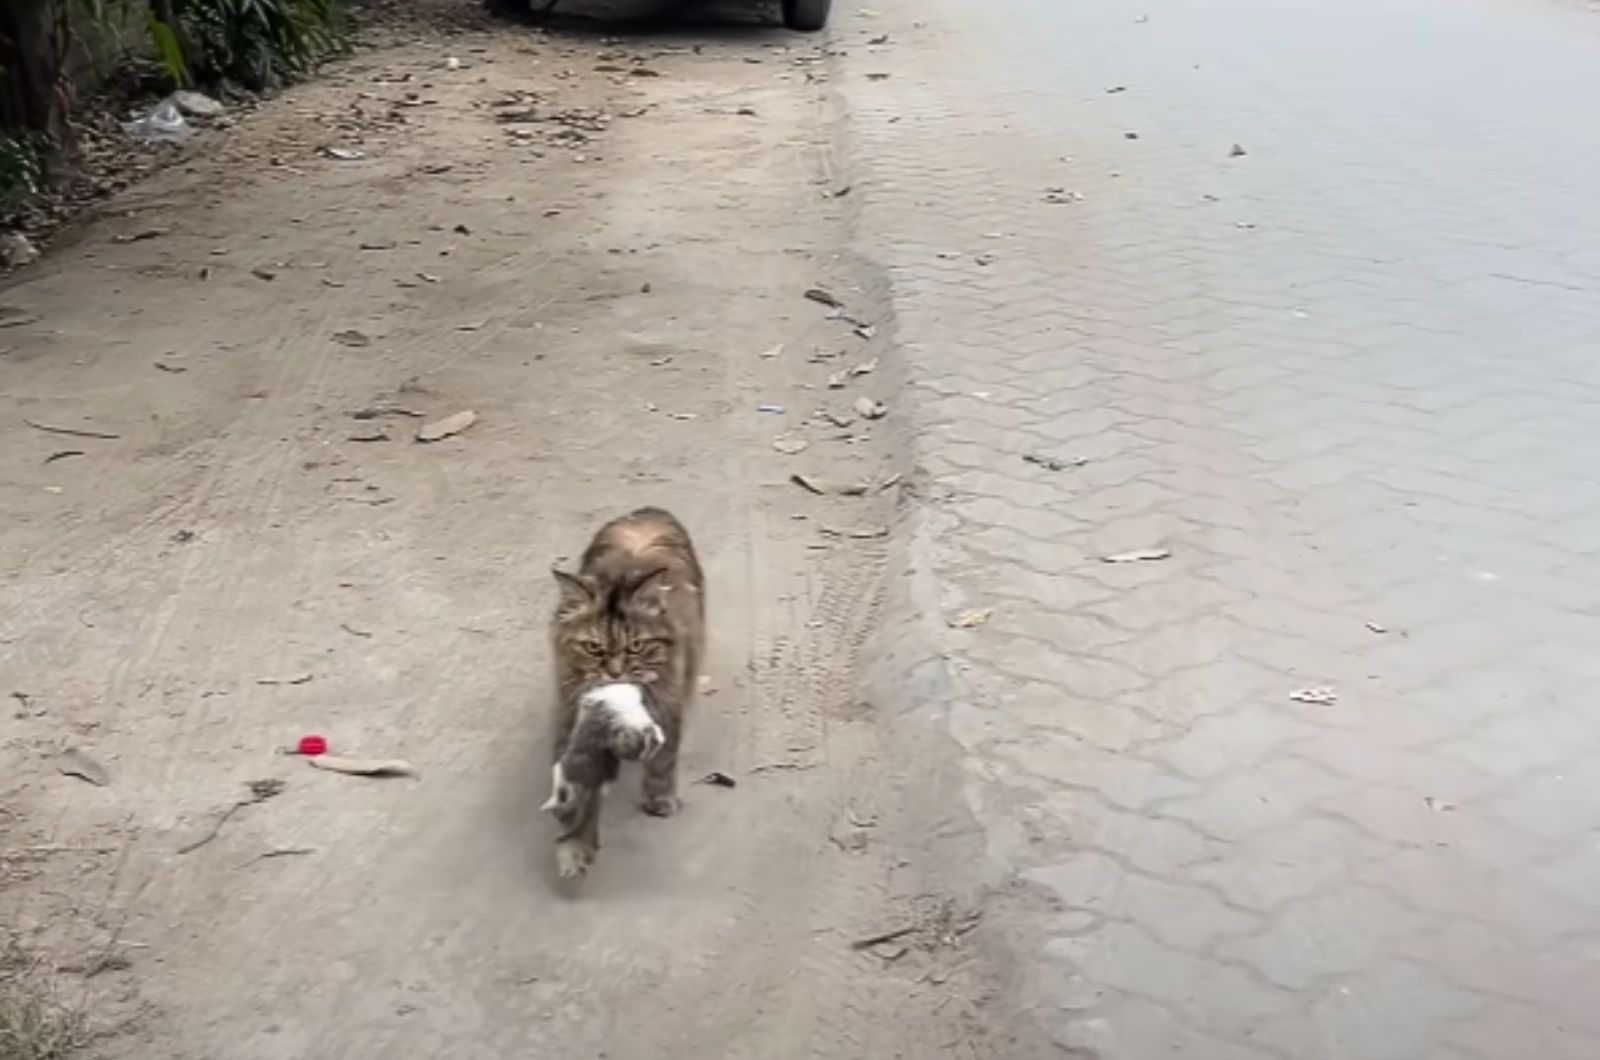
[163,122]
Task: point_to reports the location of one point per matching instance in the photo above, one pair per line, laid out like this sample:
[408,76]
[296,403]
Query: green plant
[260,42]
[22,167]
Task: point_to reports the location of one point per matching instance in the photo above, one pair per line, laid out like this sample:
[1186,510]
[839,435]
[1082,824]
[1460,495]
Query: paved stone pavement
[1350,379]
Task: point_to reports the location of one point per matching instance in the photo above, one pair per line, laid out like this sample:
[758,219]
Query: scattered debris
[705,686]
[877,77]
[440,429]
[264,274]
[371,434]
[365,634]
[300,678]
[364,767]
[836,418]
[352,337]
[789,444]
[824,297]
[73,432]
[1377,627]
[868,409]
[718,779]
[1114,89]
[984,259]
[1130,136]
[62,454]
[171,369]
[1236,151]
[1321,696]
[972,618]
[378,244]
[74,763]
[1438,805]
[344,154]
[775,351]
[882,937]
[260,791]
[823,487]
[311,746]
[1062,196]
[452,63]
[776,410]
[1138,555]
[161,122]
[1051,463]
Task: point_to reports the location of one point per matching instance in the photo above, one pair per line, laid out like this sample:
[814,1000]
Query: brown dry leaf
[440,429]
[74,763]
[364,767]
[1138,555]
[868,409]
[789,444]
[822,487]
[972,618]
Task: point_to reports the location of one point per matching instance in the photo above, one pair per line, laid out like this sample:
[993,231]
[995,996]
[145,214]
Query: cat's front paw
[660,805]
[573,858]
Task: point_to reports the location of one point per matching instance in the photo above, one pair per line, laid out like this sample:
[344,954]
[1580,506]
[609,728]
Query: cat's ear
[647,588]
[576,592]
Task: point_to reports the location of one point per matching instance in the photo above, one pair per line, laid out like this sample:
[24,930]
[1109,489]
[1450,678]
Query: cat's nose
[614,667]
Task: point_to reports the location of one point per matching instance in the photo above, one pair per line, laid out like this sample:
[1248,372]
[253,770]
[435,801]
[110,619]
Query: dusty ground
[262,550]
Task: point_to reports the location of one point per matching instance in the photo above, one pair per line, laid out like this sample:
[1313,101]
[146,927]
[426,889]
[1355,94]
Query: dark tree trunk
[33,95]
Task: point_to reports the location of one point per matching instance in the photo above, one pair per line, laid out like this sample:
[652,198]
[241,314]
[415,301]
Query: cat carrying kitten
[629,634]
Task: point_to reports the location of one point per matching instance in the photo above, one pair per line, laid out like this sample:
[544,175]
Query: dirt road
[601,246]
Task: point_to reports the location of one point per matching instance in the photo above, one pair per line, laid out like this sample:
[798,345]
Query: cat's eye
[640,647]
[592,647]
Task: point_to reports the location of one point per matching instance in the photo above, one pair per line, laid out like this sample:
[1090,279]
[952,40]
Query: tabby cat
[629,635]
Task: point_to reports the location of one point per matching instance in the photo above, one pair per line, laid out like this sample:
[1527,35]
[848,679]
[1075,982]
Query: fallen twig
[260,791]
[74,432]
[883,936]
[281,852]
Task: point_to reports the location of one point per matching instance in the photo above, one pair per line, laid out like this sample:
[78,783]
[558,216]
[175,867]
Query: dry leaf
[74,763]
[1138,555]
[817,294]
[857,533]
[352,337]
[977,616]
[865,367]
[789,445]
[1051,463]
[869,409]
[1321,696]
[822,487]
[439,429]
[293,679]
[364,767]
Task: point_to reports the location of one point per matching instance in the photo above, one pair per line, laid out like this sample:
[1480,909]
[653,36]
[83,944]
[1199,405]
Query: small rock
[868,409]
[1237,151]
[197,104]
[17,250]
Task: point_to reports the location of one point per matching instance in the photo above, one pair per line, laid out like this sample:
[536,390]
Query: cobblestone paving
[1350,379]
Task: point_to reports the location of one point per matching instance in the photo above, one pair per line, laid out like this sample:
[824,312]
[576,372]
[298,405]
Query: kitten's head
[613,630]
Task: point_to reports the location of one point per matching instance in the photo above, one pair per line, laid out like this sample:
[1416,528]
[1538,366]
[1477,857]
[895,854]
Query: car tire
[807,16]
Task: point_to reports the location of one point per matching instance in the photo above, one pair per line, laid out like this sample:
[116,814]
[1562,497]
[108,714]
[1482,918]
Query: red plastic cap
[312,745]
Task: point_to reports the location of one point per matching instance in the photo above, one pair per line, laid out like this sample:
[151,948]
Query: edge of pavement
[914,688]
